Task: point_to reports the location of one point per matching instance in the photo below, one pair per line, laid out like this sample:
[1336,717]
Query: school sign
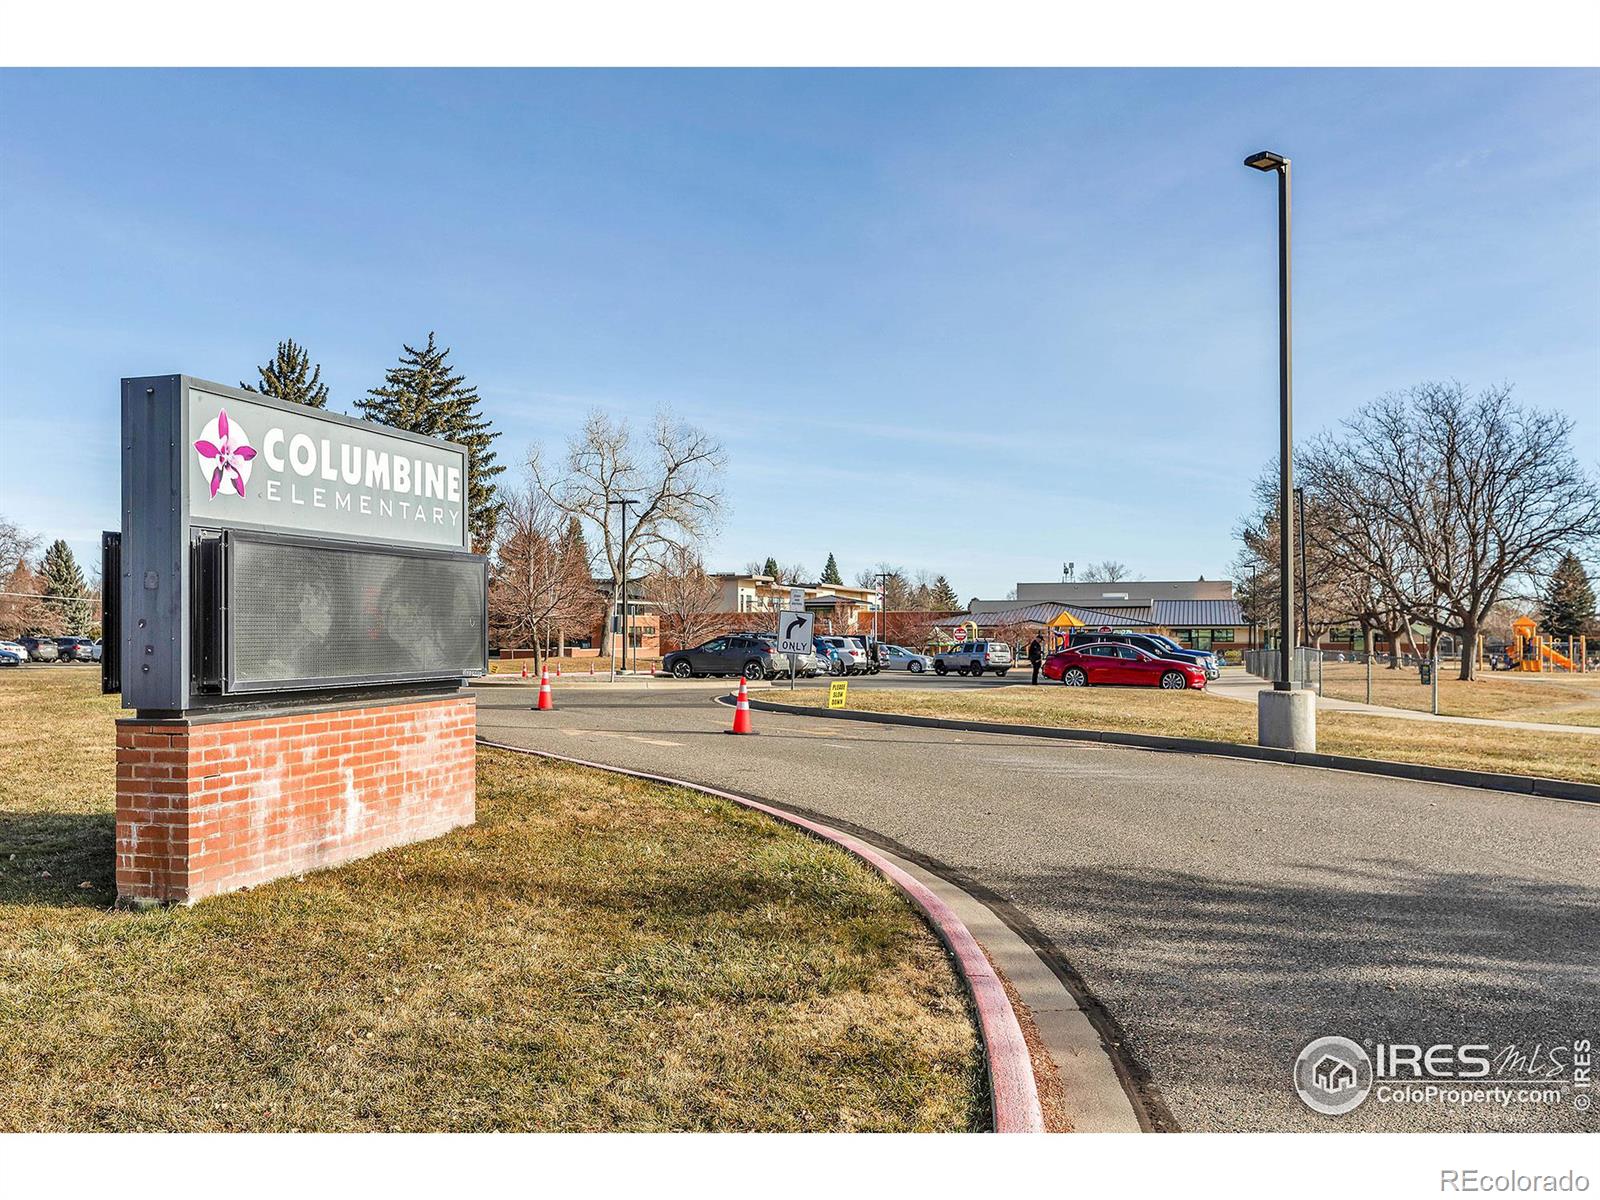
[292,611]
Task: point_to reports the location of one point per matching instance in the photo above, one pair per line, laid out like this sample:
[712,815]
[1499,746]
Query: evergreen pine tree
[830,572]
[291,375]
[64,585]
[577,546]
[771,567]
[944,596]
[422,395]
[1568,607]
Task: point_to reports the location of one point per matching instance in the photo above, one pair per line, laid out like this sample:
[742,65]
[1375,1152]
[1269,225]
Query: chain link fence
[1367,678]
[1305,671]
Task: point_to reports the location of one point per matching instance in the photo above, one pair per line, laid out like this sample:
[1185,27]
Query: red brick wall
[204,808]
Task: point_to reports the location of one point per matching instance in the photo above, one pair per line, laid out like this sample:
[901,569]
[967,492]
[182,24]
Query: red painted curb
[1013,1093]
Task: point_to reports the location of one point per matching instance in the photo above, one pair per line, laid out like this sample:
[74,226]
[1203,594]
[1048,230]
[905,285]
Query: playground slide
[1560,660]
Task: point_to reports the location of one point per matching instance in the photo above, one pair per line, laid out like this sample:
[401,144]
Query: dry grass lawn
[1544,697]
[595,953]
[1200,715]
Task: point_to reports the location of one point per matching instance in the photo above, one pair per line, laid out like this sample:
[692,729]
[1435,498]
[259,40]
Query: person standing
[1036,657]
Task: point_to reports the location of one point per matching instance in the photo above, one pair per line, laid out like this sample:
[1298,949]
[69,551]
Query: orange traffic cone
[741,711]
[546,701]
[524,670]
[558,670]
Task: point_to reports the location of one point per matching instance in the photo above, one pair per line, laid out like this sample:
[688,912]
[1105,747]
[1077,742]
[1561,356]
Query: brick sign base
[206,805]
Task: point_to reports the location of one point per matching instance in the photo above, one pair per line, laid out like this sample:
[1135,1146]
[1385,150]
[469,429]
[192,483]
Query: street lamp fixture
[1267,160]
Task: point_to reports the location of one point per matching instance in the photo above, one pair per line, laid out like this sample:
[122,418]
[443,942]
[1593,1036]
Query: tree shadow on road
[1219,983]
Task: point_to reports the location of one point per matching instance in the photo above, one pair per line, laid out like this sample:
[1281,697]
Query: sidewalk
[1235,684]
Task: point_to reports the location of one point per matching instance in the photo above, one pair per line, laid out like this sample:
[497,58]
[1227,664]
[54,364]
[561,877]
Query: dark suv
[1150,643]
[75,649]
[745,654]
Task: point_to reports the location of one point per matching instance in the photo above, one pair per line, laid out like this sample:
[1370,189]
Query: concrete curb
[1013,1094]
[1527,785]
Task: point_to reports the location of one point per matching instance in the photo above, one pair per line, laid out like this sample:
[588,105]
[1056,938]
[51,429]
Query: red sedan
[1112,662]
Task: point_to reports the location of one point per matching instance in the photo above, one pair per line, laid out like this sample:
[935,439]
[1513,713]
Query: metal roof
[1043,614]
[1161,614]
[1189,613]
[1036,614]
[1121,619]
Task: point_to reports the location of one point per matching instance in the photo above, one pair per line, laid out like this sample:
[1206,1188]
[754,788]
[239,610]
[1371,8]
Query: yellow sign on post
[837,691]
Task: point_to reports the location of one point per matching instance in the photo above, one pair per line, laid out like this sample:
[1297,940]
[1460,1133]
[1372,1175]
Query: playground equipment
[1530,652]
[1057,631]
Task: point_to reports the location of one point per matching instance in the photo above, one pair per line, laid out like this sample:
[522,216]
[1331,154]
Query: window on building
[1223,635]
[1184,637]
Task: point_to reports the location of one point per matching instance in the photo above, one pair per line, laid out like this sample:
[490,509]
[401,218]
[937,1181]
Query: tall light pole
[877,609]
[1266,160]
[623,571]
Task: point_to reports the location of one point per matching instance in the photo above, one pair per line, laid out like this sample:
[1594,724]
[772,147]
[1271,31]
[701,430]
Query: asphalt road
[1224,912]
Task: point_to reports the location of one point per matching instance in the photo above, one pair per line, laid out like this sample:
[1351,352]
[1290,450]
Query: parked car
[75,649]
[41,649]
[974,658]
[16,648]
[1120,663]
[12,657]
[824,655]
[846,656]
[805,664]
[1157,644]
[898,658]
[97,650]
[744,654]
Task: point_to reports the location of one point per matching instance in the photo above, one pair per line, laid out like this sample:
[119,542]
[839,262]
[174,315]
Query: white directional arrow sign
[795,631]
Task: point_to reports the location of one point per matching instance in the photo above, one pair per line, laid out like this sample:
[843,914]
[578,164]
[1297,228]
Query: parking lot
[1224,912]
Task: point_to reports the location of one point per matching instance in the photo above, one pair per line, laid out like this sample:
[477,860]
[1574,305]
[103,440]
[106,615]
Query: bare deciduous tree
[1480,490]
[1428,507]
[541,581]
[687,600]
[1109,571]
[673,474]
[21,612]
[896,587]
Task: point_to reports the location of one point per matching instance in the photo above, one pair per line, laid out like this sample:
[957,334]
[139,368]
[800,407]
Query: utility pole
[877,613]
[622,584]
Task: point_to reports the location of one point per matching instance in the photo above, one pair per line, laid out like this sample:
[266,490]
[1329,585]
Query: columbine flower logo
[225,453]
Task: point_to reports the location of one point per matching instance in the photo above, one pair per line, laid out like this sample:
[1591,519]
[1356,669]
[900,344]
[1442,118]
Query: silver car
[974,658]
[898,658]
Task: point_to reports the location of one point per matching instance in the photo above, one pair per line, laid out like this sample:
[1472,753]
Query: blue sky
[978,322]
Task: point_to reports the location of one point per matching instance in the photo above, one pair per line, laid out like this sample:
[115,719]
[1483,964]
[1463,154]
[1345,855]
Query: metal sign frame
[159,535]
